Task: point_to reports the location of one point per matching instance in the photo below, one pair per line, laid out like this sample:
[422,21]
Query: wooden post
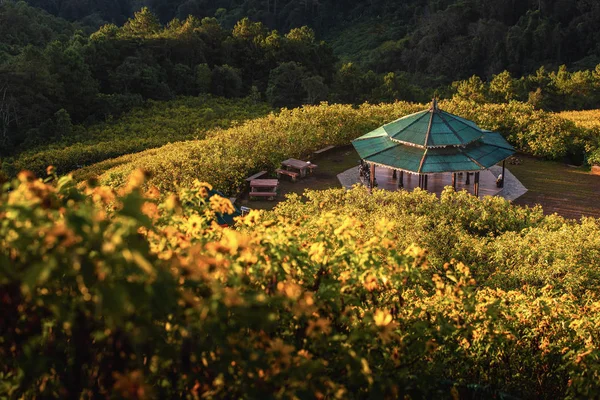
[394,174]
[477,184]
[401,180]
[468,181]
[454,180]
[372,177]
[503,173]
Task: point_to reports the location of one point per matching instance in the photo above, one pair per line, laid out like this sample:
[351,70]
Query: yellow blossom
[221,205]
[384,321]
[318,326]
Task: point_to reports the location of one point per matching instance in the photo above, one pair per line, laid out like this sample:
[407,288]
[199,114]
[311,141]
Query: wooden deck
[437,182]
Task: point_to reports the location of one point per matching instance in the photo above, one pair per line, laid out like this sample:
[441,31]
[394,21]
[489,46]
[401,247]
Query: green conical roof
[433,141]
[431,128]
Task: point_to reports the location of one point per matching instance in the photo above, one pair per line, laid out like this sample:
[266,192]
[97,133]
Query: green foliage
[348,83]
[22,25]
[226,81]
[502,87]
[62,124]
[316,89]
[203,78]
[532,131]
[91,77]
[286,85]
[594,157]
[121,294]
[226,157]
[153,125]
[143,23]
[555,90]
[472,89]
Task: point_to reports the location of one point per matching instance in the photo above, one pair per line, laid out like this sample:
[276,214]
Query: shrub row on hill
[590,121]
[118,294]
[153,125]
[226,157]
[505,246]
[531,131]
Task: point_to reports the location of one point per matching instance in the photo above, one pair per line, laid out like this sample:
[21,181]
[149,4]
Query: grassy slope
[357,41]
[568,191]
[571,192]
[151,126]
[585,119]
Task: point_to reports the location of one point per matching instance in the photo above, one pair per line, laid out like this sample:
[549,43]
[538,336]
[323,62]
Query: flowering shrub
[153,125]
[132,294]
[227,156]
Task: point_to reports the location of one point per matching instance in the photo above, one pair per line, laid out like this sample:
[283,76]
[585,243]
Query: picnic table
[301,166]
[264,188]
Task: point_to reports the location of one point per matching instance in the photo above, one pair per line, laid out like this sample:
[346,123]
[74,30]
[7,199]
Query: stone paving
[513,188]
[487,182]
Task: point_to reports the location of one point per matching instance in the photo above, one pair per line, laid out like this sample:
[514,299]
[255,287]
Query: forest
[84,62]
[129,127]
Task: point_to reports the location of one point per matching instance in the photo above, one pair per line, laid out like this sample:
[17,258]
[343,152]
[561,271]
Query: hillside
[126,126]
[151,125]
[449,39]
[339,293]
[56,73]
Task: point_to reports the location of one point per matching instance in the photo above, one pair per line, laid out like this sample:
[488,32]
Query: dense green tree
[58,127]
[143,23]
[316,89]
[472,89]
[349,85]
[78,88]
[203,78]
[139,75]
[9,115]
[183,80]
[226,81]
[286,85]
[502,87]
[22,25]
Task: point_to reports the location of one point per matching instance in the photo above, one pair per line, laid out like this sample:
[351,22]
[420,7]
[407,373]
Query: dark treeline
[444,39]
[84,61]
[53,74]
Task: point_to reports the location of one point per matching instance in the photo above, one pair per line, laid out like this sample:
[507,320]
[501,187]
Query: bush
[119,294]
[226,157]
[153,125]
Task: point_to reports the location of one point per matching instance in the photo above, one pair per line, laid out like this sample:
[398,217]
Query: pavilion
[433,142]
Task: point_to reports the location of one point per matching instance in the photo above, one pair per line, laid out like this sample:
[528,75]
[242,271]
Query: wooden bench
[291,174]
[270,195]
[257,175]
[312,167]
[324,149]
[269,184]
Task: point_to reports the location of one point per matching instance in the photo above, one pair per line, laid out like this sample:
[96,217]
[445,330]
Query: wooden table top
[264,182]
[295,163]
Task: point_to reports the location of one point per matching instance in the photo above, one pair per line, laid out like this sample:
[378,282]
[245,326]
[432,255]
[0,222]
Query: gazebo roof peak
[431,128]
